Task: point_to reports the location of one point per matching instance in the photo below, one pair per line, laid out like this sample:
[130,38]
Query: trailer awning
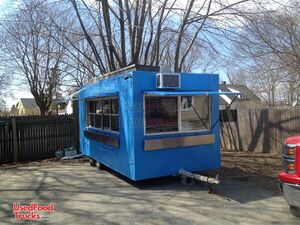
[176,93]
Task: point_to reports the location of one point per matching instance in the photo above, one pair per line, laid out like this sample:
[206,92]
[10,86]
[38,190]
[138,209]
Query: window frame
[192,102]
[95,99]
[178,116]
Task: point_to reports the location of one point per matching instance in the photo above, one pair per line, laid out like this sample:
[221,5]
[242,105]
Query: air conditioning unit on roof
[168,80]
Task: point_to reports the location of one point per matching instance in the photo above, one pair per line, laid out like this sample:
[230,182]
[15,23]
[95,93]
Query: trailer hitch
[210,180]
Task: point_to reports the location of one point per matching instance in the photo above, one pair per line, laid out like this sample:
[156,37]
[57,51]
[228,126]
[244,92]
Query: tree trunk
[43,111]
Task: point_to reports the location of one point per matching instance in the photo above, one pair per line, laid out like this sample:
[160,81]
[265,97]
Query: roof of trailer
[130,68]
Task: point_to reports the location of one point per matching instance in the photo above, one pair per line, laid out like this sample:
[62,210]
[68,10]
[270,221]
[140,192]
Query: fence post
[7,149]
[15,139]
[76,125]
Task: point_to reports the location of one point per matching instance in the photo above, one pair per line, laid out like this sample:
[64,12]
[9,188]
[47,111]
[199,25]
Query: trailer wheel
[99,166]
[92,162]
[295,211]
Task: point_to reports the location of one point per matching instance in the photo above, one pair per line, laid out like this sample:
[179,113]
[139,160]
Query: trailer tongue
[199,177]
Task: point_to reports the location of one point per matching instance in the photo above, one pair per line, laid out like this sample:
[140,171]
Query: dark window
[99,106]
[161,114]
[92,107]
[98,120]
[114,106]
[229,115]
[103,113]
[106,122]
[106,106]
[92,119]
[115,123]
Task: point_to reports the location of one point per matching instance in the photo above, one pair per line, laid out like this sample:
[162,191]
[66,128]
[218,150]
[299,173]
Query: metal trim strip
[113,141]
[189,93]
[178,142]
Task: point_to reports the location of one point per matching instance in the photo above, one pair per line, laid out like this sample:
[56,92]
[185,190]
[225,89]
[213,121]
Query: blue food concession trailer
[145,123]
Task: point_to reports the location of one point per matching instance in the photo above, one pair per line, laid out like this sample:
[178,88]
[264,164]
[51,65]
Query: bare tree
[29,42]
[5,81]
[267,46]
[80,68]
[76,40]
[124,32]
[264,81]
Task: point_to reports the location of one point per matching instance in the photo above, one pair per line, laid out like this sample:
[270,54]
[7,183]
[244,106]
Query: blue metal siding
[163,162]
[120,159]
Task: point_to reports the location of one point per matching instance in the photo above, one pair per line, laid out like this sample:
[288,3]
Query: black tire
[99,166]
[92,162]
[295,211]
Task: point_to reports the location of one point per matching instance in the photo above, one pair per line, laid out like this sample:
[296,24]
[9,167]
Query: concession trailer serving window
[177,113]
[103,113]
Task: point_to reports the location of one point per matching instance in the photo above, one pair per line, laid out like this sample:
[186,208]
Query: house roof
[28,102]
[248,94]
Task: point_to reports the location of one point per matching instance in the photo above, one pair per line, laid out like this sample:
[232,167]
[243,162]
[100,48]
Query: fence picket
[260,130]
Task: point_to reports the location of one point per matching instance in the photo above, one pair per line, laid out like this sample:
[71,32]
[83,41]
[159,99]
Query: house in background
[247,100]
[26,107]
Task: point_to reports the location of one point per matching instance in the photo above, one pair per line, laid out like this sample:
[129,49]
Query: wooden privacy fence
[34,137]
[260,130]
